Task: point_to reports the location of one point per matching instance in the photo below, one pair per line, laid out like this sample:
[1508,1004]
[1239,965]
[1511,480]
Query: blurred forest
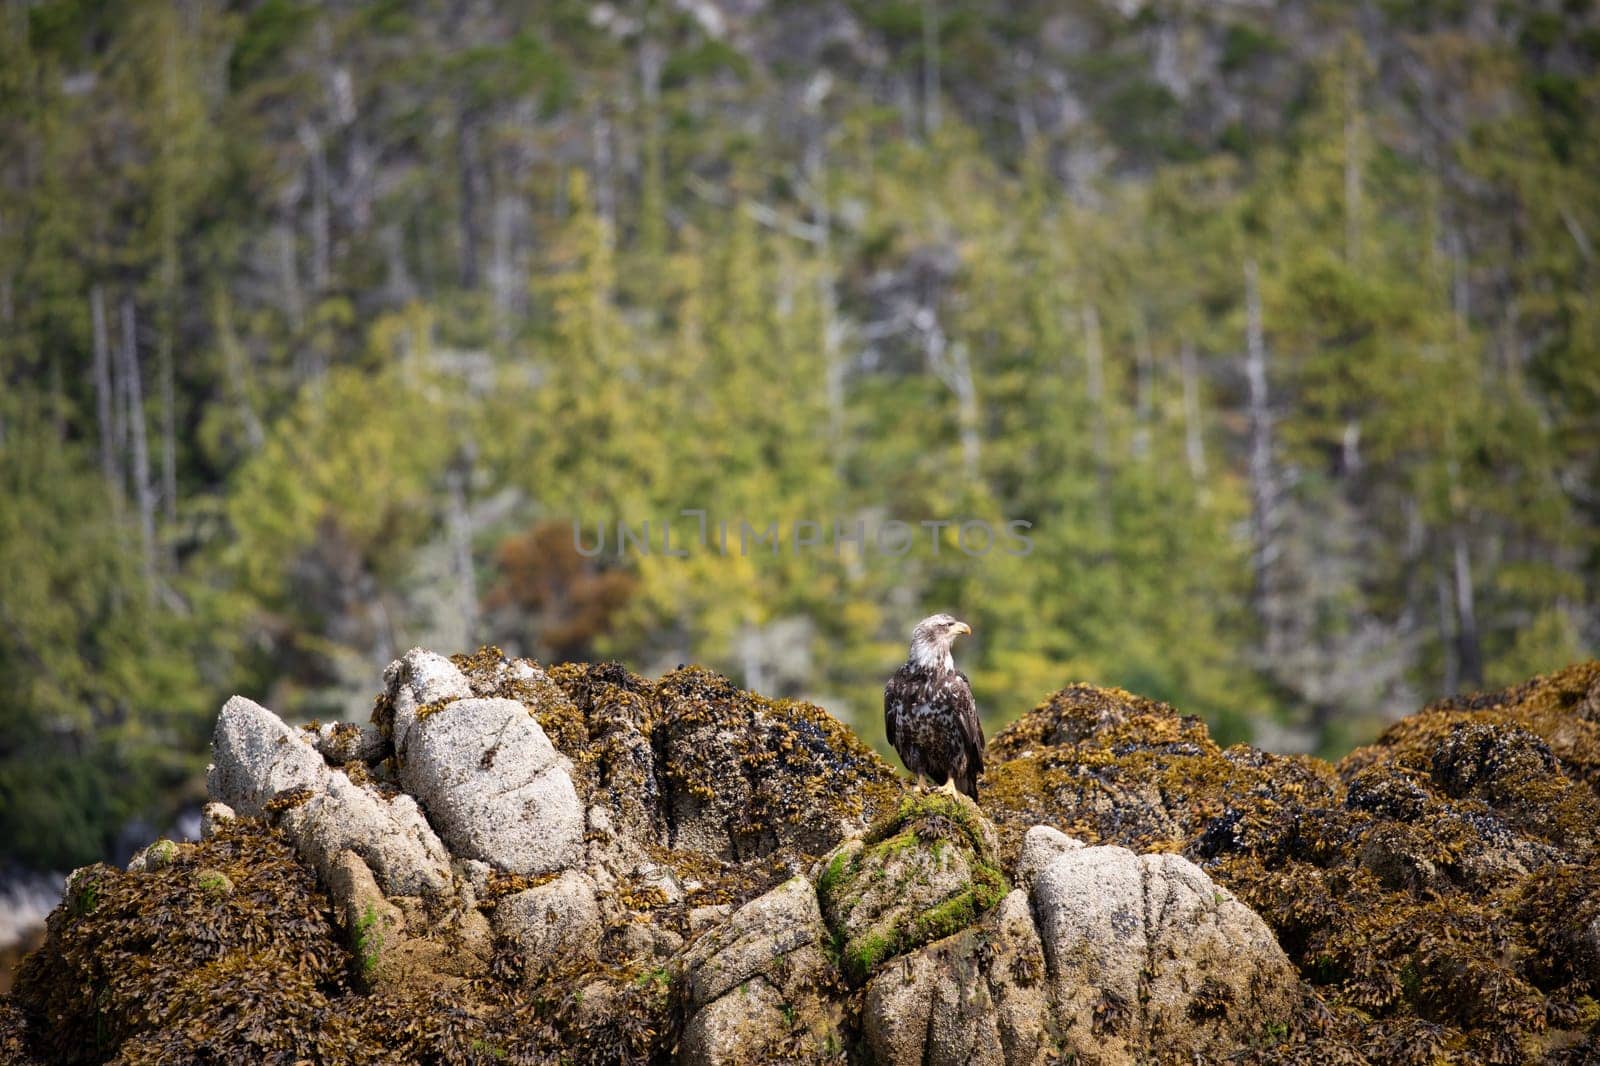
[320,324]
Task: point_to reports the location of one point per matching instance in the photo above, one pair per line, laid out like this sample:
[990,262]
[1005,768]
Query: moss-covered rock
[923,874]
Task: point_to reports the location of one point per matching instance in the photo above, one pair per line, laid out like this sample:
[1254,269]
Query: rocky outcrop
[388,832]
[515,865]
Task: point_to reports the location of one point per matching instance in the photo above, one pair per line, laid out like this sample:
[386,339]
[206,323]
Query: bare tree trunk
[233,359]
[831,328]
[1094,357]
[1350,448]
[140,469]
[503,276]
[399,286]
[472,194]
[321,237]
[1144,368]
[1194,438]
[652,199]
[1447,635]
[460,525]
[1468,649]
[102,388]
[1263,488]
[604,192]
[951,365]
[166,314]
[169,425]
[930,69]
[8,306]
[289,277]
[1460,287]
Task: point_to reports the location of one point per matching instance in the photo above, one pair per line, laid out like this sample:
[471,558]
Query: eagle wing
[965,711]
[893,700]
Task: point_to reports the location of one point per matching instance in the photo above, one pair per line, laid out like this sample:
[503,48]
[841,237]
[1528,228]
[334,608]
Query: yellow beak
[961,627]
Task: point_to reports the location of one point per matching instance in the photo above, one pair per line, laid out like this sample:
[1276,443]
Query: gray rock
[784,922]
[976,997]
[654,876]
[753,980]
[552,923]
[1147,951]
[374,926]
[709,915]
[400,942]
[212,817]
[474,874]
[420,678]
[493,786]
[734,1030]
[342,742]
[642,942]
[255,756]
[390,836]
[1040,846]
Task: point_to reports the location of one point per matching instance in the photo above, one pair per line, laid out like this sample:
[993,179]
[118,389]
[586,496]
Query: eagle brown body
[928,711]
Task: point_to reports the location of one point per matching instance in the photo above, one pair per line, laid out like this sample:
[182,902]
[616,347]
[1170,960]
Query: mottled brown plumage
[929,713]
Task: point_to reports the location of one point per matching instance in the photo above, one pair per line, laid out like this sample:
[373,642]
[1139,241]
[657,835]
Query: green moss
[989,887]
[83,891]
[834,873]
[160,855]
[926,833]
[368,941]
[863,954]
[214,883]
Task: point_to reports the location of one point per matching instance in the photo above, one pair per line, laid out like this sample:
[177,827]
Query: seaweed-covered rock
[553,923]
[757,941]
[753,985]
[159,967]
[747,776]
[919,876]
[344,742]
[738,879]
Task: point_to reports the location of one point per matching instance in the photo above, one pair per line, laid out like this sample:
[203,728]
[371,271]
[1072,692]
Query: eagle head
[931,640]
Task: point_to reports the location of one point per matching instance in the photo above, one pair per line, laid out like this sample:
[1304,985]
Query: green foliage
[103,688]
[1244,44]
[405,287]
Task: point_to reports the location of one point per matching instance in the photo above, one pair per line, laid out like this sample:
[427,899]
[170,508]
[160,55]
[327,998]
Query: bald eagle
[929,713]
